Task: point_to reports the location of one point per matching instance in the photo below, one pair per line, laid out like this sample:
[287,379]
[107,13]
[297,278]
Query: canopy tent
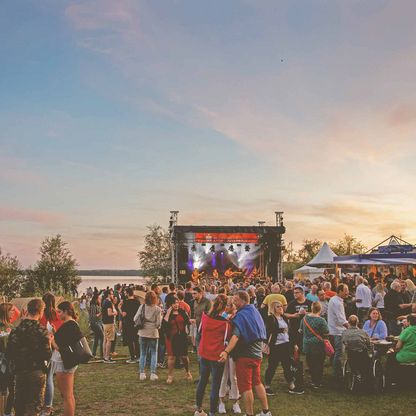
[395,252]
[308,273]
[325,256]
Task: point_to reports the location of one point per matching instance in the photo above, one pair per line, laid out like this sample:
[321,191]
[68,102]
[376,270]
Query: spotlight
[247,247]
[193,248]
[231,248]
[212,249]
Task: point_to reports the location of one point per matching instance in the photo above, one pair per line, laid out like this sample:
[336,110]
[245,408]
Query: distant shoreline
[111,272]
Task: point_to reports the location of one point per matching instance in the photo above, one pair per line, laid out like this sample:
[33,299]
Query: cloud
[29,215]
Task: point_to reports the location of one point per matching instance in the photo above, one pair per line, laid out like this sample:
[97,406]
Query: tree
[155,258]
[348,245]
[55,271]
[12,276]
[309,250]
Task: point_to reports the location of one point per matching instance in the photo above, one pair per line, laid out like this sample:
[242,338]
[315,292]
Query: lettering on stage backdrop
[252,238]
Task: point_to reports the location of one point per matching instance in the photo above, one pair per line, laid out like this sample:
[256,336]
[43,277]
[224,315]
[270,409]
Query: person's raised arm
[231,345]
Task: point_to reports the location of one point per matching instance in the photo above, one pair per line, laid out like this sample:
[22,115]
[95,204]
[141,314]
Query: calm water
[101,282]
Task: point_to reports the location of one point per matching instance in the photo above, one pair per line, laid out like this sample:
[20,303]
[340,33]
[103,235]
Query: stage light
[231,248]
[212,249]
[193,248]
[247,247]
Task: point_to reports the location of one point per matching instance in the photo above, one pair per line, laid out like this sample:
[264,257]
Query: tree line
[55,271]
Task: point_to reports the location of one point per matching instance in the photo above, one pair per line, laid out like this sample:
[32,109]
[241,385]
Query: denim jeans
[337,359]
[50,389]
[206,367]
[148,346]
[98,330]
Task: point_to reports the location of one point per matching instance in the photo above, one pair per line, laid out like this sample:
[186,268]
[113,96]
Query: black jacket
[272,328]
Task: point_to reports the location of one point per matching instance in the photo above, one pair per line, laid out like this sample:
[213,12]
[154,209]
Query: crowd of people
[229,323]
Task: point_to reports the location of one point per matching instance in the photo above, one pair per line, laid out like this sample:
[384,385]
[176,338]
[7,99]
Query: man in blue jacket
[246,345]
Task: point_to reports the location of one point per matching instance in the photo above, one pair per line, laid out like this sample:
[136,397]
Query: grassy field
[103,389]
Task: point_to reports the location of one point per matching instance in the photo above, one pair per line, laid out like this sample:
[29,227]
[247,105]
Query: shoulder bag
[329,349]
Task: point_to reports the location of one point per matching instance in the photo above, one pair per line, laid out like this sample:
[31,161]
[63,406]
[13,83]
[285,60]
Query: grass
[102,389]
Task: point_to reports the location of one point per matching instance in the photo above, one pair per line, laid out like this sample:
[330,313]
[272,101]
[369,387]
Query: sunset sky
[112,113]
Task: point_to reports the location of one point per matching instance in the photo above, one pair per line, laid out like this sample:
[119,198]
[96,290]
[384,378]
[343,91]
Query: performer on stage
[196,276]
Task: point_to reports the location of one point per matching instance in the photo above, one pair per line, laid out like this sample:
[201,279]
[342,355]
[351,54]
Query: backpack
[140,318]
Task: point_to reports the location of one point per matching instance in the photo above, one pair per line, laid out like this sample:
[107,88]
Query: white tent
[324,256]
[308,273]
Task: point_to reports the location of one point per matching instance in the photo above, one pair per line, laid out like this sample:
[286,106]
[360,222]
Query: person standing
[51,322]
[281,350]
[129,309]
[314,329]
[215,333]
[174,326]
[29,350]
[6,376]
[337,324]
[363,299]
[149,334]
[200,305]
[108,312]
[295,312]
[96,324]
[66,336]
[395,306]
[246,346]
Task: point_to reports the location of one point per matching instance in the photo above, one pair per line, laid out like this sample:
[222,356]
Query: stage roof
[228,229]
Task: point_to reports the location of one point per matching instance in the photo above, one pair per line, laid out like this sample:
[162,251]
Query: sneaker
[269,391]
[269,413]
[131,361]
[153,377]
[108,361]
[291,385]
[316,386]
[236,408]
[142,376]
[200,413]
[296,391]
[221,408]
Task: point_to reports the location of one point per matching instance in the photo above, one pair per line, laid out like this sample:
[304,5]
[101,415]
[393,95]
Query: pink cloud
[28,215]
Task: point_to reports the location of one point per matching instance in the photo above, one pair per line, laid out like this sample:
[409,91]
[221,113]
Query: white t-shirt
[282,337]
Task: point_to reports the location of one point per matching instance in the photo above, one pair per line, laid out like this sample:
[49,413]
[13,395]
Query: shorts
[109,332]
[58,367]
[248,373]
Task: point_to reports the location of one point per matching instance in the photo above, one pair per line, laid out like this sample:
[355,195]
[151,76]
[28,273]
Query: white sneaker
[236,408]
[154,377]
[221,408]
[201,413]
[269,413]
[142,376]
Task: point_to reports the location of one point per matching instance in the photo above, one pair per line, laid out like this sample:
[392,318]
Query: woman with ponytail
[68,334]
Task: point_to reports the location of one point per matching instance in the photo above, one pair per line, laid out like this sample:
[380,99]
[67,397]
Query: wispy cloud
[30,215]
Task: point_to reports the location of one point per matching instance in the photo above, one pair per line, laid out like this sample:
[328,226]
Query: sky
[113,113]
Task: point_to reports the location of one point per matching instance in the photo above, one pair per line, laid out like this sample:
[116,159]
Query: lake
[101,282]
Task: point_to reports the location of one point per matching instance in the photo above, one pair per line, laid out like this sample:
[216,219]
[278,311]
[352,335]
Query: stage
[246,250]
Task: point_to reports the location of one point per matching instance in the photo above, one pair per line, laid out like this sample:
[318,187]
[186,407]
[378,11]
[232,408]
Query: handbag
[140,318]
[76,353]
[81,351]
[329,349]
